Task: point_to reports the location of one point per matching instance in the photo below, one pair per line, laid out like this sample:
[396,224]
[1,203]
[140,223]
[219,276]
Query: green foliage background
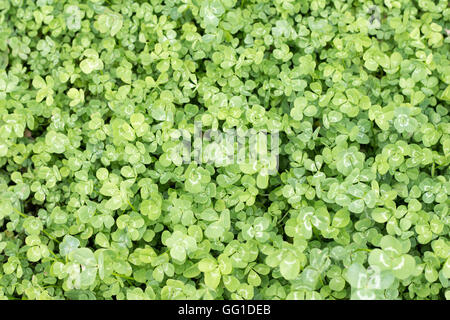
[95,205]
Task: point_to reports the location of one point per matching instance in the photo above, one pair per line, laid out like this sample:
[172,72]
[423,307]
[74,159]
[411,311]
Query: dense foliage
[95,203]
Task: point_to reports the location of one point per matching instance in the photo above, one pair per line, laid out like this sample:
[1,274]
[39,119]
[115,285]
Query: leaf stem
[321,281]
[22,214]
[122,276]
[50,236]
[43,231]
[56,257]
[128,200]
[279,221]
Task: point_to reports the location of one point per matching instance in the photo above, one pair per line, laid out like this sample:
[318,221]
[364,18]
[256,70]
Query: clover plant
[109,190]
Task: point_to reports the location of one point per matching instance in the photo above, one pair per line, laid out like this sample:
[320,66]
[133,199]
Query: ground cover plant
[96,201]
